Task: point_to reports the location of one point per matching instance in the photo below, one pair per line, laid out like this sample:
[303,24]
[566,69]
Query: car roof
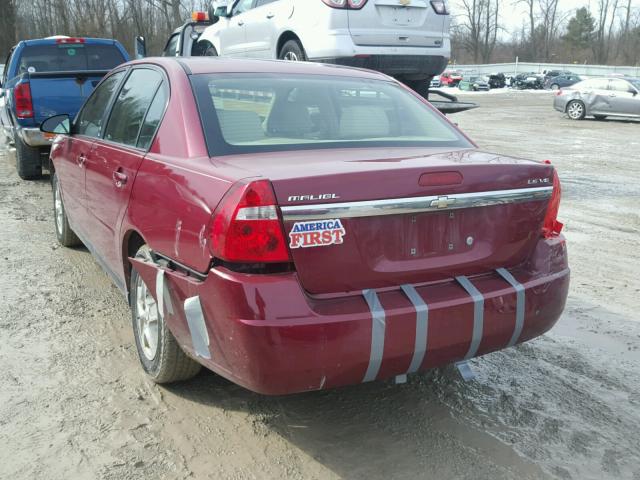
[203,65]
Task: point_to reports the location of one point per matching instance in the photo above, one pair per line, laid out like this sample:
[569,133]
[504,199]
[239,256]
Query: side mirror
[140,47]
[58,124]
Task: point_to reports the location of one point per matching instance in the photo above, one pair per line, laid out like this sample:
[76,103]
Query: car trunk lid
[397,23]
[373,219]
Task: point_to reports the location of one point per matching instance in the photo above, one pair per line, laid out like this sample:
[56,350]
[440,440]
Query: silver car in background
[600,98]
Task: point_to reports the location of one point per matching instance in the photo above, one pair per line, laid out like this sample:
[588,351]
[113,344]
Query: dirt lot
[75,405]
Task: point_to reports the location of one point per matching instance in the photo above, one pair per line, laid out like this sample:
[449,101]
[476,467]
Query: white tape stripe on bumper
[478,315]
[162,294]
[422,327]
[378,325]
[197,326]
[520,302]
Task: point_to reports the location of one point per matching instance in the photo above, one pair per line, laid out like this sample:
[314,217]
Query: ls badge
[316,233]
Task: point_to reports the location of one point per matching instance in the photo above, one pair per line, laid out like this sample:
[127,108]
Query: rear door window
[131,106]
[69,57]
[619,86]
[153,117]
[90,118]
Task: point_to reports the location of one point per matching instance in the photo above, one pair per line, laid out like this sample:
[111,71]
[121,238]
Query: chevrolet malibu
[298,227]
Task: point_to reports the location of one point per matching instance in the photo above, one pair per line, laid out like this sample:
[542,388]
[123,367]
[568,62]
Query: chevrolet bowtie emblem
[443,202]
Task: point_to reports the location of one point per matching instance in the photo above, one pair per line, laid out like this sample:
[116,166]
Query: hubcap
[575,110]
[147,320]
[59,210]
[291,56]
[554,87]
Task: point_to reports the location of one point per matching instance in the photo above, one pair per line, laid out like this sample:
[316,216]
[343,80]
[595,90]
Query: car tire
[28,162]
[555,86]
[160,355]
[600,117]
[66,236]
[421,87]
[576,110]
[209,50]
[292,51]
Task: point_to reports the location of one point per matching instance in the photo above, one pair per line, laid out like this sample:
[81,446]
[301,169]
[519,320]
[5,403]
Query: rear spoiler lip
[410,205]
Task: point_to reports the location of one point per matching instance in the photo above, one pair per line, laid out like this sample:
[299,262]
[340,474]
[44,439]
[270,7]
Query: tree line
[606,33]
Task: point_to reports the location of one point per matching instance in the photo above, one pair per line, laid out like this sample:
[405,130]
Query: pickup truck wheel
[292,51]
[65,234]
[160,355]
[576,110]
[28,163]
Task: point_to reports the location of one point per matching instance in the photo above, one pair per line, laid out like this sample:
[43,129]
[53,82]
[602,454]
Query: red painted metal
[310,328]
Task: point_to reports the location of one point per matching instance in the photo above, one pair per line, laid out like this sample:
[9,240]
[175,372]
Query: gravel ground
[75,405]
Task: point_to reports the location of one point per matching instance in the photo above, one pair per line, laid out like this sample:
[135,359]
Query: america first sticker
[316,233]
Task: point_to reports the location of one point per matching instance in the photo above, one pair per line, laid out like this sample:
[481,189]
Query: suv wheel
[292,51]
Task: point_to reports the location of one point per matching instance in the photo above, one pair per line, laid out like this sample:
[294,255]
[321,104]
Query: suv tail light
[440,7]
[346,4]
[246,226]
[552,227]
[24,104]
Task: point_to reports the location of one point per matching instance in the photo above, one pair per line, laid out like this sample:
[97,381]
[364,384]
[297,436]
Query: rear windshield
[69,58]
[265,112]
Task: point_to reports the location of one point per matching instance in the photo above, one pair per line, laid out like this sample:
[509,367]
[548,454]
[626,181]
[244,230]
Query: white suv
[407,39]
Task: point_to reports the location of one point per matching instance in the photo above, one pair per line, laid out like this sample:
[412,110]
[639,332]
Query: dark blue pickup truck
[48,77]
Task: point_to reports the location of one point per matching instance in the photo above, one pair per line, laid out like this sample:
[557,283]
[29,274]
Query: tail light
[558,92]
[246,226]
[24,104]
[552,227]
[440,7]
[346,4]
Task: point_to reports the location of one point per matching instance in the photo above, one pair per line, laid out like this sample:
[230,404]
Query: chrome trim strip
[520,303]
[378,325]
[478,315]
[395,206]
[422,327]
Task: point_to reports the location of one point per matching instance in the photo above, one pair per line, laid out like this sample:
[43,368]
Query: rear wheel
[292,51]
[575,110]
[66,236]
[159,353]
[28,162]
[555,86]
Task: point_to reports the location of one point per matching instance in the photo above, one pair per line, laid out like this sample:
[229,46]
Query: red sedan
[295,226]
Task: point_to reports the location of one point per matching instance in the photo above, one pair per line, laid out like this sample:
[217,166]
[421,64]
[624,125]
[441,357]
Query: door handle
[612,94]
[120,178]
[81,159]
[240,23]
[270,15]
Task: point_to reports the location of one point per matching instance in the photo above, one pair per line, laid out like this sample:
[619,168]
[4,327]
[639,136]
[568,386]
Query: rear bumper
[34,137]
[266,334]
[398,65]
[560,103]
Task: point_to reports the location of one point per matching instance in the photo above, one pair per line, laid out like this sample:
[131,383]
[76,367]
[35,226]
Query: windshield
[69,58]
[266,112]
[635,82]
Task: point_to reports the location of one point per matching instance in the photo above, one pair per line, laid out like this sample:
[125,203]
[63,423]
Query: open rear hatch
[397,23]
[394,222]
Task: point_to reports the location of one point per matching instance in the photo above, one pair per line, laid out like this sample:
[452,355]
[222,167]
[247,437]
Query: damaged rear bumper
[267,334]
